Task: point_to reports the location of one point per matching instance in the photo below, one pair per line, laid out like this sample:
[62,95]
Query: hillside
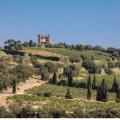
[71,80]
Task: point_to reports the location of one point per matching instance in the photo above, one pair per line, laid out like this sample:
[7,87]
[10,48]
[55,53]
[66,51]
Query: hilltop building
[44,39]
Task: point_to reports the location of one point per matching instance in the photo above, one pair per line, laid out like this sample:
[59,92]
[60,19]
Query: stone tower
[43,39]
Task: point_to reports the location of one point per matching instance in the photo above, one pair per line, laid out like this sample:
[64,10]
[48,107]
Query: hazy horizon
[71,21]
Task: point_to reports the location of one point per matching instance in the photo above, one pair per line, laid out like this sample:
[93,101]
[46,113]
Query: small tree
[31,44]
[102,92]
[99,95]
[94,83]
[89,93]
[14,86]
[54,80]
[89,82]
[114,85]
[70,78]
[118,95]
[68,94]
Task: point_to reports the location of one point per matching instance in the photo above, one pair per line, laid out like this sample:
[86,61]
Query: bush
[18,58]
[57,113]
[15,108]
[66,71]
[26,112]
[90,66]
[47,94]
[74,59]
[62,83]
[53,58]
[5,114]
[50,66]
[111,64]
[22,72]
[45,75]
[108,70]
[68,94]
[51,113]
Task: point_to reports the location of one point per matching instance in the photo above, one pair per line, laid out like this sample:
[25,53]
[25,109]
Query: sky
[94,22]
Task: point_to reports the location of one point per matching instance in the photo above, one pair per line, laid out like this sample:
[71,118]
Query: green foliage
[70,78]
[22,72]
[50,66]
[118,95]
[5,114]
[47,94]
[18,58]
[115,85]
[74,59]
[54,79]
[14,86]
[45,75]
[102,92]
[90,66]
[111,64]
[68,52]
[94,83]
[75,69]
[62,83]
[68,94]
[89,93]
[108,70]
[12,45]
[53,58]
[89,84]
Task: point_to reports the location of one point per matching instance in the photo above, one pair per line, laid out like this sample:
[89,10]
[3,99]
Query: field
[67,52]
[57,100]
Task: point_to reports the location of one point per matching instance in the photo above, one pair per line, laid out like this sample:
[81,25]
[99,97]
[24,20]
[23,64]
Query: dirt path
[21,87]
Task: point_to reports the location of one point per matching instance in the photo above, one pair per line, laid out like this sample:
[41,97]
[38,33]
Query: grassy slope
[68,52]
[57,99]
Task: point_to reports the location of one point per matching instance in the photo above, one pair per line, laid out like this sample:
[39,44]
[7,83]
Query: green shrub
[47,94]
[108,70]
[18,58]
[50,66]
[5,114]
[62,83]
[68,94]
[74,59]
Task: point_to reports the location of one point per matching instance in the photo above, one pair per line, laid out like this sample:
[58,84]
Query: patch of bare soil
[43,52]
[21,87]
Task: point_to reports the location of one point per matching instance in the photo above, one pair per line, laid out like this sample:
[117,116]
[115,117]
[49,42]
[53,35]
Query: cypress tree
[89,93]
[98,95]
[70,78]
[54,80]
[14,86]
[89,82]
[94,83]
[118,95]
[115,85]
[104,90]
[68,94]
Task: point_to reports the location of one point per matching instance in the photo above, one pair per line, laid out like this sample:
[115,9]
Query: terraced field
[57,100]
[34,51]
[67,52]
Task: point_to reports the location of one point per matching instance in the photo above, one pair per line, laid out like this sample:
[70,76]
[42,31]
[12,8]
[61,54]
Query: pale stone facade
[43,39]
